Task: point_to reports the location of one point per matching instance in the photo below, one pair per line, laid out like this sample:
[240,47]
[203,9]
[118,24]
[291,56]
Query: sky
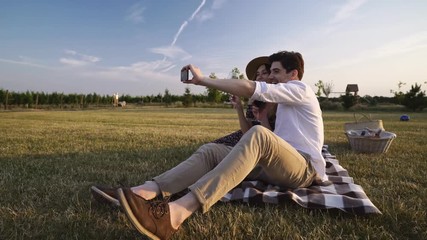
[138,47]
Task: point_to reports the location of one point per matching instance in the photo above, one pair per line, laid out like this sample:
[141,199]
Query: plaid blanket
[341,194]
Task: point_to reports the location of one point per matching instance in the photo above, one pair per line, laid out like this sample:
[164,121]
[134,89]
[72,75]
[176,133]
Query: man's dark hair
[290,61]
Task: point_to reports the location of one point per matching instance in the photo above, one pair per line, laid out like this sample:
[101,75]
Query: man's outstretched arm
[238,87]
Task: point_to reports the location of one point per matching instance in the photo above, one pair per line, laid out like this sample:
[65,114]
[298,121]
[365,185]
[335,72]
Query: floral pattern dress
[234,137]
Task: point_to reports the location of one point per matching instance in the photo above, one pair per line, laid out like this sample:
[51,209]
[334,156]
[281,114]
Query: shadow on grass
[48,197]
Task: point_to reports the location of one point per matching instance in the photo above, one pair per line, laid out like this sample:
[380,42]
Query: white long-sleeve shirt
[298,118]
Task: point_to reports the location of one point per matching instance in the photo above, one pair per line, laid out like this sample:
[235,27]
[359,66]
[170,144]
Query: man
[290,157]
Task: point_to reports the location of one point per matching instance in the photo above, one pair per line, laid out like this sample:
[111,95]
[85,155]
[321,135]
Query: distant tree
[29,98]
[167,98]
[199,98]
[42,98]
[2,95]
[235,73]
[371,101]
[327,88]
[90,98]
[12,98]
[213,95]
[125,97]
[106,99]
[158,98]
[75,99]
[415,99]
[188,98]
[55,99]
[6,99]
[22,98]
[146,99]
[348,100]
[399,95]
[319,86]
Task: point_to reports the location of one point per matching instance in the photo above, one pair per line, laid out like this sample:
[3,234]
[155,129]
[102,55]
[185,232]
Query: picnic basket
[364,121]
[366,135]
[370,144]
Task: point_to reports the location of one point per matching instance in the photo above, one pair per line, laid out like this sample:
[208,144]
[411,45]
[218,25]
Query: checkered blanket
[341,194]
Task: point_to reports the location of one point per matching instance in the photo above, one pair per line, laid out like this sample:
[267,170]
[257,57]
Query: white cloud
[91,59]
[172,52]
[217,4]
[78,59]
[411,43]
[347,10]
[209,13]
[24,61]
[205,15]
[138,78]
[168,68]
[135,13]
[137,70]
[73,62]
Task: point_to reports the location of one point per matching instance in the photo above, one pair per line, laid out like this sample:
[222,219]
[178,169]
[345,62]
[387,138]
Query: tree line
[414,99]
[31,99]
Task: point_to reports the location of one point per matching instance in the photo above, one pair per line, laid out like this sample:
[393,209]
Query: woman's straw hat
[253,66]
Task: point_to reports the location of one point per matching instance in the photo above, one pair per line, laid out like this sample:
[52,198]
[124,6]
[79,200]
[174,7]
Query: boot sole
[102,195]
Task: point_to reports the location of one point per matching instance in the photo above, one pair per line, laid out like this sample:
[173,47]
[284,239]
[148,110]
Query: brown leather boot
[151,218]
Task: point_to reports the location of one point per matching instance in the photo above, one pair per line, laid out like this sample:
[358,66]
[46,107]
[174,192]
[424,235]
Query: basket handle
[368,117]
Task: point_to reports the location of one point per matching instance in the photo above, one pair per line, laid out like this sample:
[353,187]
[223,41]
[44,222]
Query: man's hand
[196,72]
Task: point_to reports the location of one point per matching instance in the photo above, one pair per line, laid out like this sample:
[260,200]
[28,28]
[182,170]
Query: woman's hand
[236,102]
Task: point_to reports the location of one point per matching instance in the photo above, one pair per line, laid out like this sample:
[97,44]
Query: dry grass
[50,159]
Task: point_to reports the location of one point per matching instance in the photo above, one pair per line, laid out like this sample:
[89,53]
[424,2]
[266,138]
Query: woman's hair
[267,67]
[290,61]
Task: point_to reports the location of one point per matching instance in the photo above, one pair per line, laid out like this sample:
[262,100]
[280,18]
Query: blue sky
[138,47]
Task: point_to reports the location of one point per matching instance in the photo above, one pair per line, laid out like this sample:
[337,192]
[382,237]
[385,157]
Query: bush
[329,105]
[371,101]
[348,101]
[415,99]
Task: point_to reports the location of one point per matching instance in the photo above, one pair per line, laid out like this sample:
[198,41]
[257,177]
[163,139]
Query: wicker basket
[365,121]
[362,144]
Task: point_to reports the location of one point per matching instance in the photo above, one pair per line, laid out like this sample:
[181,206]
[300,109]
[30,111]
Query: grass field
[49,159]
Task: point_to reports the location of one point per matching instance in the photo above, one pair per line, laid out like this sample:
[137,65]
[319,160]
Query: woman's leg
[184,174]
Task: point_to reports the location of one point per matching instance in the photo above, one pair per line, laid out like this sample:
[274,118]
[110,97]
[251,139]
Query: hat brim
[253,66]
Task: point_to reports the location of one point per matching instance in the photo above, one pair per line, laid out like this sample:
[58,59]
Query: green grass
[49,159]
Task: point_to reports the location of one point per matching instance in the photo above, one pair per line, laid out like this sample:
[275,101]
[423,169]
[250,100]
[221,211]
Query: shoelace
[159,207]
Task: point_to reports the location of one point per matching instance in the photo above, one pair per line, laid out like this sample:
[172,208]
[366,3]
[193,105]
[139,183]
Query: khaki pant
[215,169]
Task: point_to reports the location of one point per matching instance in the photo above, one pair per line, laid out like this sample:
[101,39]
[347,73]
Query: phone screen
[184,75]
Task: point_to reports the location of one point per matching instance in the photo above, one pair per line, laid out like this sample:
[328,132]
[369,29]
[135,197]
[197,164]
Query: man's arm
[238,87]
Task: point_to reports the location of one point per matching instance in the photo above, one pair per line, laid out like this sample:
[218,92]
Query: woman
[257,113]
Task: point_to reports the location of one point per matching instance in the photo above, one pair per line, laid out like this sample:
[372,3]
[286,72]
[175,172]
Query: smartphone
[184,75]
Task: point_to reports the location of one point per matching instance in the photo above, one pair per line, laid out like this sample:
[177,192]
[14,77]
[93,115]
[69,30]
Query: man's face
[278,74]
